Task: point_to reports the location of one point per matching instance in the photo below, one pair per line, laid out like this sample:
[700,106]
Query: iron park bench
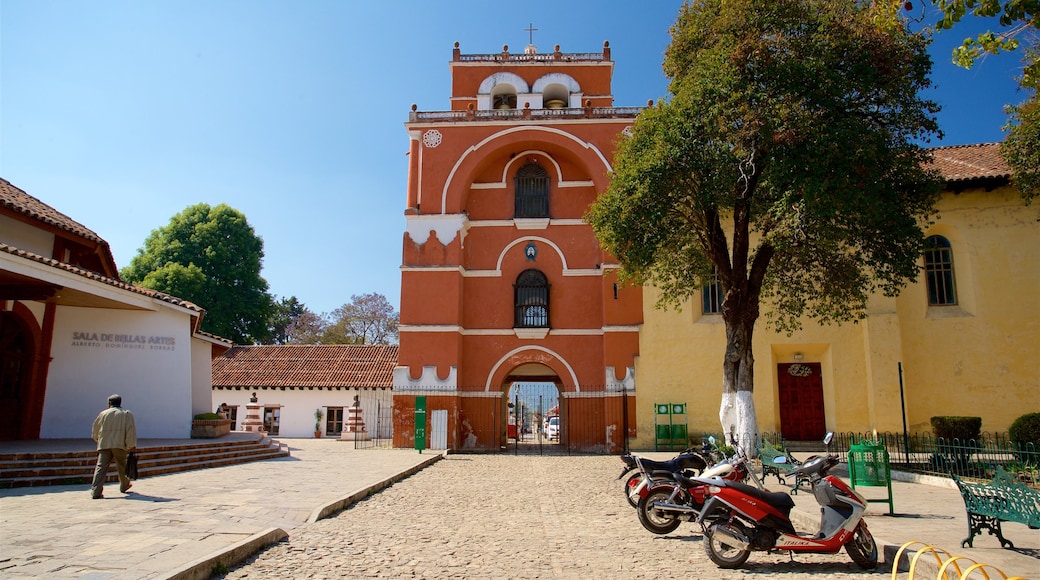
[768,453]
[1003,499]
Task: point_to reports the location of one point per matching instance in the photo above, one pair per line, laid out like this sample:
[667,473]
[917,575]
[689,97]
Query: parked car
[552,428]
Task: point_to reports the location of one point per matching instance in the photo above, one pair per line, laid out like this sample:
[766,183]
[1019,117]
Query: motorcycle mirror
[828,438]
[711,439]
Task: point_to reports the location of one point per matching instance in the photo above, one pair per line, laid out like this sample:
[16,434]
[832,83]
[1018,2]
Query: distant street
[508,516]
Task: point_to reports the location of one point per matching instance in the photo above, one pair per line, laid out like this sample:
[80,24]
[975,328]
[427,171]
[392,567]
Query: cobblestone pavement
[503,516]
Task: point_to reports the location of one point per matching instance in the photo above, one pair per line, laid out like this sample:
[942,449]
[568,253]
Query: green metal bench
[768,453]
[1003,499]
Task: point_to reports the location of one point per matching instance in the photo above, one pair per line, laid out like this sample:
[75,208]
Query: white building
[72,333]
[294,383]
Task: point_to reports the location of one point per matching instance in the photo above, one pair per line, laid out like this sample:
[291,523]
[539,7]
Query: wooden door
[801,401]
[15,365]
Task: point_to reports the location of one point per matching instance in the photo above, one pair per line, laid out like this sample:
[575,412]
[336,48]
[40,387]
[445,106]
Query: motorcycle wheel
[862,548]
[652,519]
[630,485]
[723,554]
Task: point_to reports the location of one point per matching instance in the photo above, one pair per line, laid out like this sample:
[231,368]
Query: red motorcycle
[667,502]
[738,518]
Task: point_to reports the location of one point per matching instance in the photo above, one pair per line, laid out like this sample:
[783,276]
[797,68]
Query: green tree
[212,257]
[366,319]
[785,160]
[1020,20]
[284,313]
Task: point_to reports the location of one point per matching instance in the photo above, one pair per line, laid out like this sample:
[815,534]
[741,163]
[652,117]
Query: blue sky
[121,114]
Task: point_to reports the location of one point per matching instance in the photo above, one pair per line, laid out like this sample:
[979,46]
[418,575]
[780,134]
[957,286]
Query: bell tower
[502,280]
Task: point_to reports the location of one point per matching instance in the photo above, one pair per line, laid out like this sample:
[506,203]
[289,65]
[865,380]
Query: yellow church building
[963,339]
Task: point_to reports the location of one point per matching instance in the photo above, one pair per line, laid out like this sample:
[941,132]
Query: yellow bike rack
[951,564]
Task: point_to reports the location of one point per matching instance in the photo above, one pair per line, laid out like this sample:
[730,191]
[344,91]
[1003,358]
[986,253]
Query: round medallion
[431,138]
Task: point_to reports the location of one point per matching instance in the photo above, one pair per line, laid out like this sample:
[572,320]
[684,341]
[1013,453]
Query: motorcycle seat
[675,464]
[778,499]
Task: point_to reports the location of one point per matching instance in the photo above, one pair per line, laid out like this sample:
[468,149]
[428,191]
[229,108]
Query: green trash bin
[869,466]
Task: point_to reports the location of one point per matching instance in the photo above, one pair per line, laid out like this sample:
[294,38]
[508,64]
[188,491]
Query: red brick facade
[496,289]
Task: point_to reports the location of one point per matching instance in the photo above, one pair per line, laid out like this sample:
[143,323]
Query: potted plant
[318,415]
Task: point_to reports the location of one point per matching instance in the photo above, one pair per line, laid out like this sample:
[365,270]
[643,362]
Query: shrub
[207,417]
[960,428]
[1026,429]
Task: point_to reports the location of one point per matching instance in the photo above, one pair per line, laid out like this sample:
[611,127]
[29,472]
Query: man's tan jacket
[114,428]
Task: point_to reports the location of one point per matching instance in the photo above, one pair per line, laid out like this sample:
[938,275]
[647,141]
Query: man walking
[116,434]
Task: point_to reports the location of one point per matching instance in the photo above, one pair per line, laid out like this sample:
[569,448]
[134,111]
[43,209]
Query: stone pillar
[253,421]
[354,427]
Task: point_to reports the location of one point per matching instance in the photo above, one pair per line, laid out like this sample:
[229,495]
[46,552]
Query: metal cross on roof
[530,32]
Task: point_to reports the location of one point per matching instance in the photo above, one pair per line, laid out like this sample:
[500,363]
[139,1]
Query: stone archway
[533,395]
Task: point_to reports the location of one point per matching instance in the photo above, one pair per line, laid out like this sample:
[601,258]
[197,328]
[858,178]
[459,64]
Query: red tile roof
[91,275]
[295,366]
[17,200]
[971,162]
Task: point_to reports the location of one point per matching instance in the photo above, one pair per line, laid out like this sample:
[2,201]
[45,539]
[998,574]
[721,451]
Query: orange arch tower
[501,279]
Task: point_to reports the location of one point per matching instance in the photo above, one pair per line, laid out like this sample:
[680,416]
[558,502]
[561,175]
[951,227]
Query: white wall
[26,237]
[93,358]
[298,405]
[201,377]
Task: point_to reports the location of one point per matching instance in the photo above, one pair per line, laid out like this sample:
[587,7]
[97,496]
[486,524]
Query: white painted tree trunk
[739,421]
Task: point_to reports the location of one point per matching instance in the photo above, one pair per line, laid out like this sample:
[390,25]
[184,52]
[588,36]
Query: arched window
[531,293]
[938,271]
[503,97]
[532,192]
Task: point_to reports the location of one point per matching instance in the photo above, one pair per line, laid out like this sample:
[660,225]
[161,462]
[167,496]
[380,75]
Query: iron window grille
[938,271]
[711,296]
[531,293]
[532,191]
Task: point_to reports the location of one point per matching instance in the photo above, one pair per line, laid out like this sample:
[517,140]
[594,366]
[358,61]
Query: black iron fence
[525,418]
[923,453]
[528,417]
[970,459]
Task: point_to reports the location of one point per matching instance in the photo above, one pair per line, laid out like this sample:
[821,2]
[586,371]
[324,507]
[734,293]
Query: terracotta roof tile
[16,199]
[332,365]
[970,162]
[91,275]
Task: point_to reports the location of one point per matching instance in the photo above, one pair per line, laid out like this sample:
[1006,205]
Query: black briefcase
[131,465]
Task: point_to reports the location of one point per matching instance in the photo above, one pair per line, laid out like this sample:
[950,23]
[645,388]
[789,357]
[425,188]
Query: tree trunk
[737,411]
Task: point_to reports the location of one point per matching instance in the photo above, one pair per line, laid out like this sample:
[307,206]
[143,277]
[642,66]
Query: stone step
[77,467]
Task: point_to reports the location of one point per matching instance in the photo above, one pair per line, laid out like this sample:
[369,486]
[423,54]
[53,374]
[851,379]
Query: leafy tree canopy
[786,160]
[212,257]
[1020,20]
[366,319]
[284,313]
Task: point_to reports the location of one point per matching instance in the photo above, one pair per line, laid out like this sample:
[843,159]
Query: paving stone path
[505,516]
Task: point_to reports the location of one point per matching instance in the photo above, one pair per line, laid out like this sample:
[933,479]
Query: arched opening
[503,97]
[531,300]
[531,191]
[534,405]
[556,96]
